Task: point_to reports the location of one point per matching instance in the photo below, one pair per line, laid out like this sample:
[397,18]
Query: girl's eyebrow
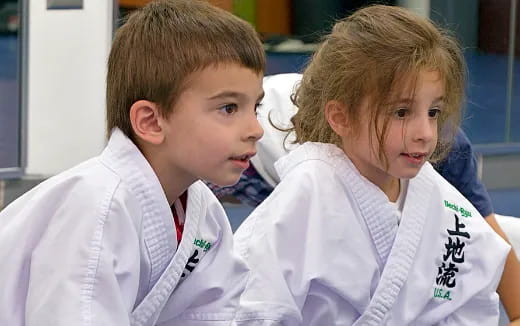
[438,99]
[401,100]
[407,100]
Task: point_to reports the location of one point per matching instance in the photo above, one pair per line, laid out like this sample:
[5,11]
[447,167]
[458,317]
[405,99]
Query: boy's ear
[145,118]
[336,115]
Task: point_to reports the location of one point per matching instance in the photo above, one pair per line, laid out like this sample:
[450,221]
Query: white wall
[68,50]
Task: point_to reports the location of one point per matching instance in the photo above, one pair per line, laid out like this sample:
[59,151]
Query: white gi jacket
[96,245]
[276,109]
[326,249]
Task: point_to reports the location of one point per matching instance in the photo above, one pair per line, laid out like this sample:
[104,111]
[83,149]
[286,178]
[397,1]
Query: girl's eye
[229,108]
[401,113]
[434,113]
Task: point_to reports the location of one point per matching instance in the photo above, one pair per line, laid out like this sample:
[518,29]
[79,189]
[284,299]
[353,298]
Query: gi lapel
[150,308]
[403,250]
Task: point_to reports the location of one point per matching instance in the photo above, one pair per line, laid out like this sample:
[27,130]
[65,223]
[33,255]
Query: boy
[132,236]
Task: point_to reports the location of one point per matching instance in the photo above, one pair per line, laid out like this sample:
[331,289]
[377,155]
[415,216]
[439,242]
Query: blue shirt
[460,168]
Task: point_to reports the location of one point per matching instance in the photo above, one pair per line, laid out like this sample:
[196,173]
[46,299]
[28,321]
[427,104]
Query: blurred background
[52,77]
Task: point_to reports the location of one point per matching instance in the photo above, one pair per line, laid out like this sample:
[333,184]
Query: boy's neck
[173,181]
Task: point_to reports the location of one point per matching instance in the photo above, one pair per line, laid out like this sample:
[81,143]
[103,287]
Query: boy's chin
[225,183]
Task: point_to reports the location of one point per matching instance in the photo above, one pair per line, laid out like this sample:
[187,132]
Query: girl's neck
[389,184]
[393,190]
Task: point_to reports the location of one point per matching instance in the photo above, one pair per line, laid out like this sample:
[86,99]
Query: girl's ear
[145,118]
[336,115]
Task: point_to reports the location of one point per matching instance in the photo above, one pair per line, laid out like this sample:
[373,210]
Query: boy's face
[212,131]
[411,133]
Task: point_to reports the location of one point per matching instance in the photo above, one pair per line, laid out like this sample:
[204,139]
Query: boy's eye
[401,113]
[229,108]
[434,113]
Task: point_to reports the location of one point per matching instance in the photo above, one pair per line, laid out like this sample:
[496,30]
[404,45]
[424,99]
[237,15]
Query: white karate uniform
[326,249]
[273,114]
[511,227]
[96,245]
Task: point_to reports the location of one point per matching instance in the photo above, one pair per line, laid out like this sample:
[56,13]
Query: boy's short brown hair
[161,44]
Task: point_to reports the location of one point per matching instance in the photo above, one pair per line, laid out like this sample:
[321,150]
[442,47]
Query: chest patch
[452,259]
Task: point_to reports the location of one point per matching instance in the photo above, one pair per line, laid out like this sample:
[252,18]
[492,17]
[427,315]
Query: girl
[361,230]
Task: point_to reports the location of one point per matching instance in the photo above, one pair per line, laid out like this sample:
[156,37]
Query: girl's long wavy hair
[369,55]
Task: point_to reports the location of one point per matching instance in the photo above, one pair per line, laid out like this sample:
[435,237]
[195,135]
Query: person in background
[133,237]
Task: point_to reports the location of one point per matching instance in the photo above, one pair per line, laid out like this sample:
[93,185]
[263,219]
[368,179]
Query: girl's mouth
[415,158]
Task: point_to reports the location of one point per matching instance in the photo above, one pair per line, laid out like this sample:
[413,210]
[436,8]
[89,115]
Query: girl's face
[411,134]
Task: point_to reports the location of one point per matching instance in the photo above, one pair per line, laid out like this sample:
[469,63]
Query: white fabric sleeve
[511,226]
[286,244]
[480,310]
[275,113]
[81,271]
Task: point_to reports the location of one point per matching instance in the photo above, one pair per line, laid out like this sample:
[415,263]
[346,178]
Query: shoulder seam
[95,248]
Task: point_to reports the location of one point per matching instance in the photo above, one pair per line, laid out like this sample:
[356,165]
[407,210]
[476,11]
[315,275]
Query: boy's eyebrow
[233,94]
[225,94]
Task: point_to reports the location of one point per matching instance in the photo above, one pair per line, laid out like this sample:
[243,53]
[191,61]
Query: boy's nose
[254,129]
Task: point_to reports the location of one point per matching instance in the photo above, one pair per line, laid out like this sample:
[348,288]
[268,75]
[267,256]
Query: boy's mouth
[244,158]
[242,161]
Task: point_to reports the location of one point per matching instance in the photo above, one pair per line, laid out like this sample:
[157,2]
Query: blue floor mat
[506,201]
